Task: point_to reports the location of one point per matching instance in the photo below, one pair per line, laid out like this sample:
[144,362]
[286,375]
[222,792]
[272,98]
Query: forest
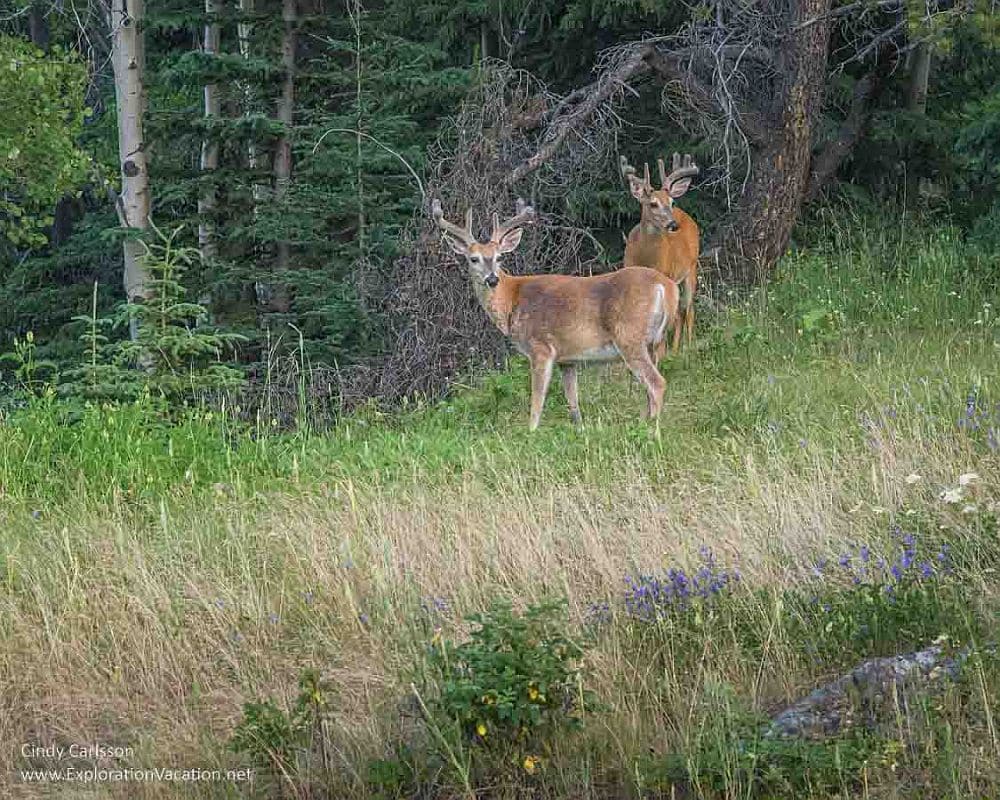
[275,519]
[280,148]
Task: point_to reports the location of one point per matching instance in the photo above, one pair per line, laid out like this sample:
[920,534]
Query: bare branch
[576,115]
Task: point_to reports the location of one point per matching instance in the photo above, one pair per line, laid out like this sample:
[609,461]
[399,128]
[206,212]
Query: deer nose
[672,226]
[492,281]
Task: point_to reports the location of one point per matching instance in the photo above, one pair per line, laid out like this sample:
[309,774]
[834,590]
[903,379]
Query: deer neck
[498,302]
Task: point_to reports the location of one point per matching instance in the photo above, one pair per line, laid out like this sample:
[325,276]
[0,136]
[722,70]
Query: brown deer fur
[666,238]
[567,320]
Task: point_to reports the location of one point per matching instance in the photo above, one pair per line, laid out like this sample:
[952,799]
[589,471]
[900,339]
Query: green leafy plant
[39,155]
[277,741]
[173,354]
[511,689]
[32,376]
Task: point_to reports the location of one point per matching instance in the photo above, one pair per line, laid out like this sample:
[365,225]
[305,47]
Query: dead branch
[574,115]
[866,92]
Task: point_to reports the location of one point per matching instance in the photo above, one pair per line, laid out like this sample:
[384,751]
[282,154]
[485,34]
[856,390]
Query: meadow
[822,488]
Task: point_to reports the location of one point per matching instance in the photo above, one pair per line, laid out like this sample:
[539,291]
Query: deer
[567,320]
[666,238]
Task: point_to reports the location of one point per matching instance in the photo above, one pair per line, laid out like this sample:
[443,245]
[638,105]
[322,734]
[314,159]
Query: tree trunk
[283,155]
[359,127]
[761,228]
[207,244]
[62,225]
[38,26]
[133,204]
[244,30]
[919,77]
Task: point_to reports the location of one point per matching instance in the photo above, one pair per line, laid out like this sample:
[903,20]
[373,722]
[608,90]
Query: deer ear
[678,188]
[456,245]
[637,187]
[509,243]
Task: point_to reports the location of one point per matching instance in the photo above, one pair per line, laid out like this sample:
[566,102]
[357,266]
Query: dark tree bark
[759,232]
[38,26]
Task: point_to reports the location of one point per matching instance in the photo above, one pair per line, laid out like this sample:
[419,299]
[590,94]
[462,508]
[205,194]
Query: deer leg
[569,387]
[645,370]
[541,372]
[678,327]
[690,285]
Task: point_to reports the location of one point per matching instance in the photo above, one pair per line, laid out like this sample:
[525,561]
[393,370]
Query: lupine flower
[650,596]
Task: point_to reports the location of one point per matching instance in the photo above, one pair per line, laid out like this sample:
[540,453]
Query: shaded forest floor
[826,469]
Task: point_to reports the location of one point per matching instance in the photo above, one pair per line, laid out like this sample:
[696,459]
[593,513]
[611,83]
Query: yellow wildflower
[532,693]
[481,729]
[529,764]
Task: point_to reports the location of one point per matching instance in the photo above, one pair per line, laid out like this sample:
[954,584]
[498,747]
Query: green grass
[158,573]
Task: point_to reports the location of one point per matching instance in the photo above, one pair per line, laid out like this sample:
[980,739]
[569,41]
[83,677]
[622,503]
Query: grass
[155,576]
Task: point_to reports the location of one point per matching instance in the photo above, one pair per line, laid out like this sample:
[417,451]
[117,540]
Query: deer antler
[630,172]
[462,234]
[525,216]
[682,170]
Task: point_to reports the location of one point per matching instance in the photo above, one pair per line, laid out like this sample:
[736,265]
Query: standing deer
[666,239]
[567,320]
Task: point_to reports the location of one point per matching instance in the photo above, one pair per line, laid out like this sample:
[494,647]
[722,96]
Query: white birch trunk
[133,204]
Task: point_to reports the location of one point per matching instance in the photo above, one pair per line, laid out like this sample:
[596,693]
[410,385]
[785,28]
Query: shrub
[278,742]
[509,691]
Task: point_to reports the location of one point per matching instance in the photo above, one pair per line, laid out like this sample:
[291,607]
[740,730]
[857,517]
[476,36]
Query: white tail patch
[657,317]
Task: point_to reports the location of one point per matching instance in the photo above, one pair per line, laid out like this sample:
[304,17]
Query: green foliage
[511,690]
[31,375]
[40,159]
[173,355]
[275,741]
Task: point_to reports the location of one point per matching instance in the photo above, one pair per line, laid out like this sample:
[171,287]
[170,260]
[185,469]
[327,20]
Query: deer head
[484,258]
[658,204]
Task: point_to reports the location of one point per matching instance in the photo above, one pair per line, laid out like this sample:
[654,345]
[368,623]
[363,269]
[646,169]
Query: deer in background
[666,239]
[563,319]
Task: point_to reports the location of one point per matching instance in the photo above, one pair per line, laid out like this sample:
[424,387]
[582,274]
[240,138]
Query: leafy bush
[275,741]
[509,690]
